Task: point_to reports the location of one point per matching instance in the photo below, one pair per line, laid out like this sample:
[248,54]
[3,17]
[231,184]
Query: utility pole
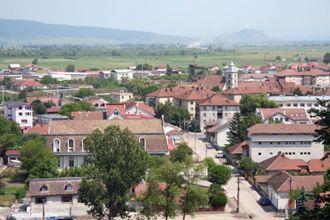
[238,193]
[43,209]
[290,184]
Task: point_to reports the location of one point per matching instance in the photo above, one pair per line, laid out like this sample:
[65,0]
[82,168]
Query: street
[248,196]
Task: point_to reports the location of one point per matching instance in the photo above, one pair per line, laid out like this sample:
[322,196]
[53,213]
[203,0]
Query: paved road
[248,196]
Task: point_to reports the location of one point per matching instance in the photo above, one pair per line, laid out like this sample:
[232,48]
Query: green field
[248,55]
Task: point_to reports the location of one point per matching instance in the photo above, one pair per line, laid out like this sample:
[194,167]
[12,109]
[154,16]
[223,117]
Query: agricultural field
[241,56]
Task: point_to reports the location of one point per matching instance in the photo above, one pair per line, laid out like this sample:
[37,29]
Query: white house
[296,141]
[20,112]
[306,102]
[120,74]
[283,115]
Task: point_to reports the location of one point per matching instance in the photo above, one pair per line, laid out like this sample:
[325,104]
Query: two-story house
[283,115]
[66,138]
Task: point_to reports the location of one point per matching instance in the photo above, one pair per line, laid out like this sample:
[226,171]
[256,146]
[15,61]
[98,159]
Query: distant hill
[32,32]
[244,37]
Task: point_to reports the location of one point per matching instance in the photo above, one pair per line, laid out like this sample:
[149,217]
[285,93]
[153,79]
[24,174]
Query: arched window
[44,188]
[142,141]
[56,145]
[68,187]
[70,145]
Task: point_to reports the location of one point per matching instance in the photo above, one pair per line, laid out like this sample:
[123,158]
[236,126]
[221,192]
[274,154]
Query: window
[27,113]
[271,153]
[302,105]
[142,141]
[295,104]
[40,200]
[71,161]
[259,153]
[286,119]
[20,107]
[259,143]
[68,187]
[43,188]
[271,142]
[309,153]
[66,198]
[24,121]
[56,145]
[70,145]
[20,113]
[301,153]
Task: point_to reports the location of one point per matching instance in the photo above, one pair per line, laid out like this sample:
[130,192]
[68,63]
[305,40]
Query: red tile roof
[195,94]
[209,82]
[292,113]
[141,105]
[115,107]
[41,129]
[255,87]
[282,129]
[280,162]
[27,83]
[321,165]
[312,72]
[87,115]
[256,76]
[219,100]
[53,109]
[238,148]
[169,92]
[280,182]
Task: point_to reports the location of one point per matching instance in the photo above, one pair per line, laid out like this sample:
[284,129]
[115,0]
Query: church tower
[231,76]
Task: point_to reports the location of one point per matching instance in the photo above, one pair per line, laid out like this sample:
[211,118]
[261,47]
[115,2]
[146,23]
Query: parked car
[219,154]
[264,201]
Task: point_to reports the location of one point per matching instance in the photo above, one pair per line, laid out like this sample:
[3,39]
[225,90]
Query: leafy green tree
[117,164]
[174,115]
[278,58]
[249,166]
[38,160]
[182,154]
[326,58]
[209,162]
[22,95]
[219,174]
[75,106]
[38,107]
[10,133]
[35,61]
[70,68]
[217,197]
[48,80]
[169,69]
[144,66]
[84,92]
[216,89]
[164,190]
[7,83]
[249,103]
[323,132]
[80,171]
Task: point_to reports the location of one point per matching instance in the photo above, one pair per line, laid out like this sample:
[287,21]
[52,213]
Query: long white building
[296,141]
[306,102]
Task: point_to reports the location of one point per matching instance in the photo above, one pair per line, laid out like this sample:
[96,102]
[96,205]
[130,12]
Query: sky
[283,19]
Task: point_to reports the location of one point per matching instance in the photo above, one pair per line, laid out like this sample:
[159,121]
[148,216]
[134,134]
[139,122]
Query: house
[96,102]
[256,77]
[163,95]
[280,162]
[216,133]
[296,141]
[143,74]
[211,82]
[305,102]
[13,156]
[54,190]
[20,112]
[217,107]
[87,115]
[237,151]
[174,135]
[313,77]
[277,187]
[24,84]
[320,166]
[120,74]
[190,99]
[14,67]
[129,110]
[121,95]
[283,115]
[66,138]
